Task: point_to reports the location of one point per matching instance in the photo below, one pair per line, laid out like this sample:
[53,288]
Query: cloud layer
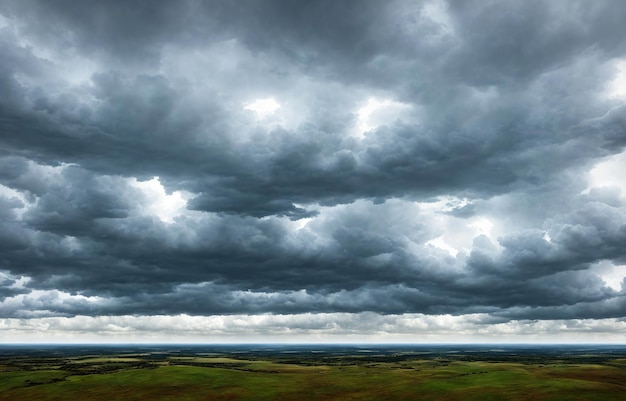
[286,158]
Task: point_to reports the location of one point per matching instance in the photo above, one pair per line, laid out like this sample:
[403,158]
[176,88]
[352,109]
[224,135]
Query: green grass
[271,380]
[20,379]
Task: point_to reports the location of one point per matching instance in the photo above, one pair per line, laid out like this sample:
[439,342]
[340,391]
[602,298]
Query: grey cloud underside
[503,109]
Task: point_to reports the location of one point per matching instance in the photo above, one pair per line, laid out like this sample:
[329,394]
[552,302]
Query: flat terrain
[308,373]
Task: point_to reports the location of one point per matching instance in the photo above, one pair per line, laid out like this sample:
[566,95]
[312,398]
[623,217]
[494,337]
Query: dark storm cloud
[129,32]
[508,40]
[499,104]
[162,136]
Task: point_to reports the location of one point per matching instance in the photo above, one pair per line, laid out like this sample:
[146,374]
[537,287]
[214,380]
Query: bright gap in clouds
[263,107]
[610,173]
[440,243]
[16,197]
[165,207]
[301,223]
[458,232]
[460,238]
[617,87]
[482,226]
[615,277]
[437,12]
[377,112]
[612,275]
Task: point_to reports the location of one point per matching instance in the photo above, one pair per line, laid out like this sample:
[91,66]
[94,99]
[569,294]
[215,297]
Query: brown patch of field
[600,374]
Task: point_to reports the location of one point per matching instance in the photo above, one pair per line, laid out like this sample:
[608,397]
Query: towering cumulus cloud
[312,170]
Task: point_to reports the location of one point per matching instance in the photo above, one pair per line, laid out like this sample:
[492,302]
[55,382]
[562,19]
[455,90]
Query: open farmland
[297,373]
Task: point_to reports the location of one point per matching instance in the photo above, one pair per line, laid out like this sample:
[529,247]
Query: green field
[139,377]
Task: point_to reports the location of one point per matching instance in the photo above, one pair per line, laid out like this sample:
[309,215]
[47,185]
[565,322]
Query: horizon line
[312,343]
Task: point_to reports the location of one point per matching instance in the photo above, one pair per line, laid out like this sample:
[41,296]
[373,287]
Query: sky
[312,171]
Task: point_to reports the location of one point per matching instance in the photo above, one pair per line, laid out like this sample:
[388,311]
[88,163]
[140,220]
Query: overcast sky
[312,171]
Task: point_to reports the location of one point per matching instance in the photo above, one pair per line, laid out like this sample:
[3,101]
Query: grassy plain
[164,376]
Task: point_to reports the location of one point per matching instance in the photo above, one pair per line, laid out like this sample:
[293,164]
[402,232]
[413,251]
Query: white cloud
[482,226]
[610,173]
[617,86]
[263,107]
[11,193]
[612,275]
[437,12]
[44,302]
[308,327]
[440,243]
[4,22]
[161,204]
[376,112]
